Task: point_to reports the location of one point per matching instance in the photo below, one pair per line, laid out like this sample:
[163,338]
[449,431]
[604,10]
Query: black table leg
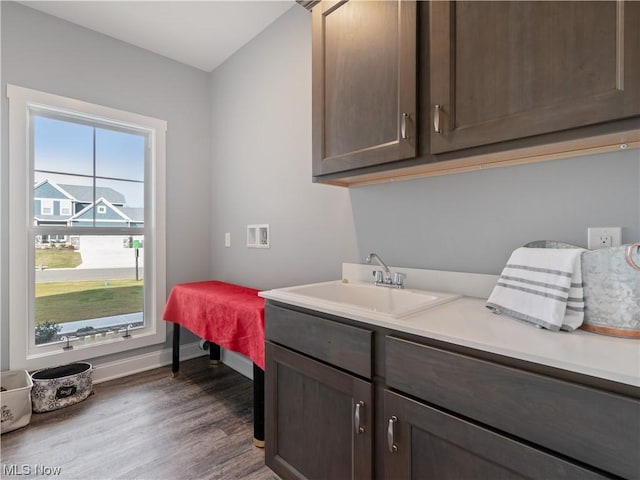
[258,406]
[214,352]
[175,363]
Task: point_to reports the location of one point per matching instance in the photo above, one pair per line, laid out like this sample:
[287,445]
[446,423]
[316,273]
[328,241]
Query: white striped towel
[542,286]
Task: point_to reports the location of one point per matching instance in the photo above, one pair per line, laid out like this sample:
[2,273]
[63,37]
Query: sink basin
[393,302]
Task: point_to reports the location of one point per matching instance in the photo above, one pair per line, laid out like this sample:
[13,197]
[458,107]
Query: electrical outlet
[602,237]
[604,241]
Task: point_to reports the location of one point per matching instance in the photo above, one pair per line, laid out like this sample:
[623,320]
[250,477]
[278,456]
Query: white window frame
[22,352]
[102,209]
[65,208]
[46,206]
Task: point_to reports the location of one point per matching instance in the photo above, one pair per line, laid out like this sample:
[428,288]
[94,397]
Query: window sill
[98,347]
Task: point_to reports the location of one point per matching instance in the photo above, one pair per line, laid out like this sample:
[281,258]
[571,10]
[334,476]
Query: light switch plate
[603,237]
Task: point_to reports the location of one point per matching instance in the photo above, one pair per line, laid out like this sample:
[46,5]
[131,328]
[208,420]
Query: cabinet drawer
[592,426]
[335,343]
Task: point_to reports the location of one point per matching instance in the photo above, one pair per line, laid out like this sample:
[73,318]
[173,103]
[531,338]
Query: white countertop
[467,322]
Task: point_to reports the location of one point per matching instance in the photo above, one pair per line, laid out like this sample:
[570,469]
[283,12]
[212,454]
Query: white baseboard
[238,362]
[148,361]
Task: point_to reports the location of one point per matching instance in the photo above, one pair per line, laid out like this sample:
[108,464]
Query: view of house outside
[87,285]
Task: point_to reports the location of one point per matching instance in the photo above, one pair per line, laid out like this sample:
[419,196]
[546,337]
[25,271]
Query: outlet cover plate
[258,236]
[603,237]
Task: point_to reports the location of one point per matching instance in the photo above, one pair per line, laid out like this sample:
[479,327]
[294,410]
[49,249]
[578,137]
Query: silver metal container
[611,279]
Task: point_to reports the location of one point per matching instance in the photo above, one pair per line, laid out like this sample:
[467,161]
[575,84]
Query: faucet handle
[378,276]
[399,278]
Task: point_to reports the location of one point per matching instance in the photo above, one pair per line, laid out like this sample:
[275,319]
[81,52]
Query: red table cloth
[230,315]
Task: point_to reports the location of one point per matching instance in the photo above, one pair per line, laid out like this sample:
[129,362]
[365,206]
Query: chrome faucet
[385,278]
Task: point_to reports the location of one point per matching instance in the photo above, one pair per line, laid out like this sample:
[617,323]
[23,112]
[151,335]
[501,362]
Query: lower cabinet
[588,425]
[318,419]
[425,443]
[338,390]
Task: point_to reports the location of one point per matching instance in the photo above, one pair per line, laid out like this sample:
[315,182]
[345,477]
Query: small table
[225,315]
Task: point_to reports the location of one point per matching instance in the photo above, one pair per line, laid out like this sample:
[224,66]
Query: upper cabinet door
[364,84]
[507,70]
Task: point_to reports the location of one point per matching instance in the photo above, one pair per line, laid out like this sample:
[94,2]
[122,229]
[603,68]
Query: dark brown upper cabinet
[364,84]
[508,70]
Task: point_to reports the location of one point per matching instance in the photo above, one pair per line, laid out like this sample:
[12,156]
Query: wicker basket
[59,387]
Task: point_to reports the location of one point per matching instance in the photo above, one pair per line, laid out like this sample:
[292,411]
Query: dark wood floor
[148,426]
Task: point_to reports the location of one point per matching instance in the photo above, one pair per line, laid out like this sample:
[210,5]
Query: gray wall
[466,222]
[471,222]
[45,53]
[261,167]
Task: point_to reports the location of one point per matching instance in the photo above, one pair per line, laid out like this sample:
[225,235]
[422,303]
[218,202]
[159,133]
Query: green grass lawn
[58,258]
[61,302]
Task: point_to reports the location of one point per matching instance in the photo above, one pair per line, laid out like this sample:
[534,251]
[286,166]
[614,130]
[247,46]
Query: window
[46,206]
[97,174]
[65,208]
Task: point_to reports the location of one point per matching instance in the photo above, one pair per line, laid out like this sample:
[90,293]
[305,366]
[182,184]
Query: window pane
[82,182]
[87,285]
[46,206]
[127,207]
[57,198]
[60,146]
[65,207]
[119,155]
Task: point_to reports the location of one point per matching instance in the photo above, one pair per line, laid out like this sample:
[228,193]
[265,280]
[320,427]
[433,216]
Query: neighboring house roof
[135,214]
[112,214]
[84,194]
[49,189]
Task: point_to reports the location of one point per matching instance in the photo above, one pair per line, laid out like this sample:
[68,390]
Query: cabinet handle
[359,429]
[436,119]
[403,126]
[392,446]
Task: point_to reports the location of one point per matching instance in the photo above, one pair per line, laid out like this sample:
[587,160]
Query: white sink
[393,302]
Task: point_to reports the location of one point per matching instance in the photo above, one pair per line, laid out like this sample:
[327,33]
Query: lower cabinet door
[426,443]
[318,419]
